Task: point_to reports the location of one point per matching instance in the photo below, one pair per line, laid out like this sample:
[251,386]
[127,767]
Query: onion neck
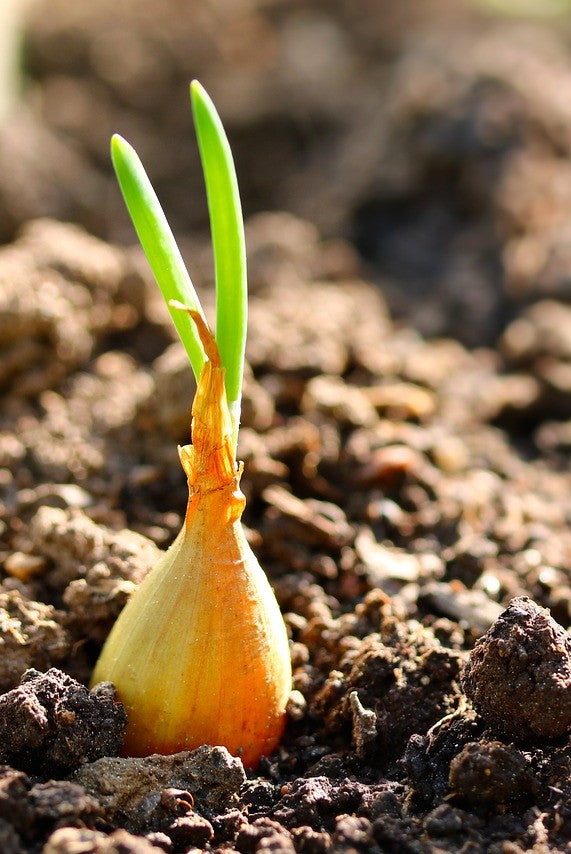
[209,463]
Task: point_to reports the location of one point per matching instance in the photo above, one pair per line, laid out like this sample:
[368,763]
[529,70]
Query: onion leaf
[159,245]
[229,245]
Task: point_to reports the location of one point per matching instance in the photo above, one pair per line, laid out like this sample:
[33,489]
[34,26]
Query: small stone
[385,564]
[58,495]
[347,405]
[24,567]
[403,400]
[296,705]
[450,454]
[389,465]
[130,789]
[310,522]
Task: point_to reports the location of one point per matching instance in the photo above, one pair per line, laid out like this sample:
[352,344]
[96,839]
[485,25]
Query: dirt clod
[52,724]
[30,636]
[15,805]
[10,842]
[519,674]
[36,810]
[264,835]
[316,802]
[59,802]
[95,568]
[77,840]
[191,830]
[427,757]
[490,774]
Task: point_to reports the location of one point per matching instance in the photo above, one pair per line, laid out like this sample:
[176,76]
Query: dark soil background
[406,176]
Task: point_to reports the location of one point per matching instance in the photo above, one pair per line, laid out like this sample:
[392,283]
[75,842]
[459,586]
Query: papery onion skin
[200,655]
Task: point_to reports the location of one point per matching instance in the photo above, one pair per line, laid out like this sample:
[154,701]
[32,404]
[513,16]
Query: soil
[408,495]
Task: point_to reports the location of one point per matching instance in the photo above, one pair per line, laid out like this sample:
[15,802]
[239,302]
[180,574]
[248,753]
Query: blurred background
[434,135]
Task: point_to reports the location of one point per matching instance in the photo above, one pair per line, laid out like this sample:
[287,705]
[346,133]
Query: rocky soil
[406,423]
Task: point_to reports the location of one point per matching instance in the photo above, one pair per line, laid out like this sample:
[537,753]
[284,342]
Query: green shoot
[229,245]
[227,228]
[159,245]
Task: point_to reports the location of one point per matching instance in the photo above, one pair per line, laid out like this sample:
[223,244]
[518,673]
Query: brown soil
[402,489]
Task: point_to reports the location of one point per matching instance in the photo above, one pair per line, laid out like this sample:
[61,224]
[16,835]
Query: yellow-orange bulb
[200,655]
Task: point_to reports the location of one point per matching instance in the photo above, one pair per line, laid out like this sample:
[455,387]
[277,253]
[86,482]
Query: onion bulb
[199,655]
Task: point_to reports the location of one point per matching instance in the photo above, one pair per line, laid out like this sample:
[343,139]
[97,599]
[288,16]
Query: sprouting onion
[199,655]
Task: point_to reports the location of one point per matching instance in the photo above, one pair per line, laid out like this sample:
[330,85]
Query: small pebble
[23,566]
